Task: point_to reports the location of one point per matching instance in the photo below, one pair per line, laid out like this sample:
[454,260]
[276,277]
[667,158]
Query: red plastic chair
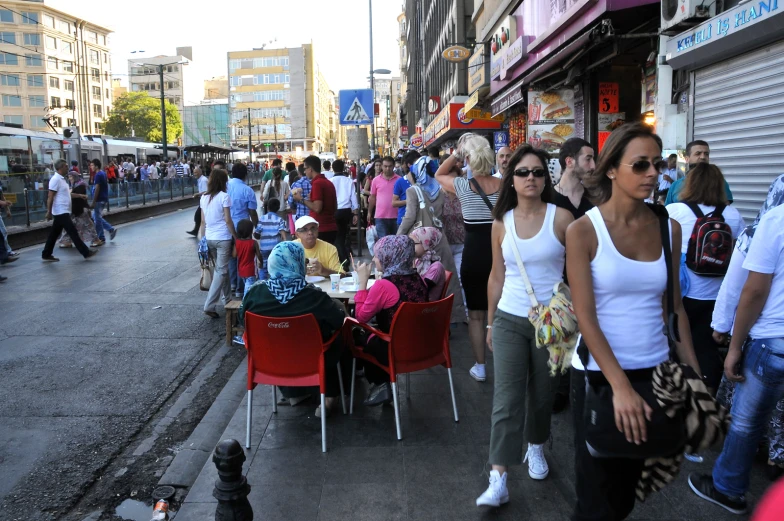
[447,280]
[418,339]
[287,351]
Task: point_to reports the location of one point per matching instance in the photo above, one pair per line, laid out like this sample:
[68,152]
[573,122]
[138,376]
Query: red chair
[287,351]
[447,280]
[418,339]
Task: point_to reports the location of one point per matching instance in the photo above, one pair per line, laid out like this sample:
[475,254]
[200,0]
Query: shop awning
[451,123]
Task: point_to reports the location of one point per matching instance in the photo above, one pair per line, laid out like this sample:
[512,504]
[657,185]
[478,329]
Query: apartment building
[180,88]
[55,68]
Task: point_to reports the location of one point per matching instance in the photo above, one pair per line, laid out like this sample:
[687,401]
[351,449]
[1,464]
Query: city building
[280,98]
[387,95]
[400,114]
[117,88]
[180,88]
[216,88]
[55,69]
[207,122]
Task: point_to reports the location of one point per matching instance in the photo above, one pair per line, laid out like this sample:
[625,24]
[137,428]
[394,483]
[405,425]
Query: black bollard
[231,487]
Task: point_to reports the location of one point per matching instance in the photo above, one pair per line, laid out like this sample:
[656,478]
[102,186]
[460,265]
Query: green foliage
[139,113]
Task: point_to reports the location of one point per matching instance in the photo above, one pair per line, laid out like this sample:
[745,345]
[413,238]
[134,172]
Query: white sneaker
[496,494]
[478,372]
[537,465]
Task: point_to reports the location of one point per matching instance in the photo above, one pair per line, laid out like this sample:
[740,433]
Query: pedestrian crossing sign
[356,107]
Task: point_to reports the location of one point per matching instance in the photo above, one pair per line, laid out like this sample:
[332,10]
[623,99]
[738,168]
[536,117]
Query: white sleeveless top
[628,296]
[543,259]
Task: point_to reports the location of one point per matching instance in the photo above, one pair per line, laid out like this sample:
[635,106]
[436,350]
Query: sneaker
[238,295]
[97,242]
[112,234]
[66,245]
[50,258]
[13,254]
[478,372]
[380,394]
[694,458]
[702,485]
[537,465]
[496,494]
[9,260]
[237,339]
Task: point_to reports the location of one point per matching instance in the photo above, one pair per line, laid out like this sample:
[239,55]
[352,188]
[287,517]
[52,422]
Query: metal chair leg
[397,411]
[323,423]
[353,379]
[274,399]
[408,386]
[452,390]
[342,390]
[249,418]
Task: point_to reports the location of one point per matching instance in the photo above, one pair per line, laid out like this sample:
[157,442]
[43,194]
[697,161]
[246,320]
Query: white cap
[304,221]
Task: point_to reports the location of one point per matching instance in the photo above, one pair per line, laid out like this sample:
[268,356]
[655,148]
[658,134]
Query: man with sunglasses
[696,152]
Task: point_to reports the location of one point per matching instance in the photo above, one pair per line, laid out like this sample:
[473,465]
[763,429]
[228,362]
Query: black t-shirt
[564,202]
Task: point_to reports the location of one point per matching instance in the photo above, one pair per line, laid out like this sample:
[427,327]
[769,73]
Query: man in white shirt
[348,209]
[668,175]
[327,170]
[186,169]
[58,207]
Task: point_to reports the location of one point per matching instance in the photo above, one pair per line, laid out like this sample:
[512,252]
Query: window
[96,74]
[69,104]
[54,82]
[66,47]
[266,79]
[172,68]
[11,100]
[51,62]
[108,96]
[172,84]
[32,39]
[33,60]
[98,128]
[68,85]
[6,16]
[48,21]
[16,120]
[8,38]
[271,95]
[35,80]
[29,18]
[56,121]
[106,75]
[94,57]
[97,93]
[71,122]
[65,27]
[54,102]
[91,36]
[37,122]
[97,111]
[9,80]
[106,57]
[67,66]
[37,101]
[8,59]
[51,42]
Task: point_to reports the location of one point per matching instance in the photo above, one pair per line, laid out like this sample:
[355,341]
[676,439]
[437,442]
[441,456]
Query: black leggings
[700,313]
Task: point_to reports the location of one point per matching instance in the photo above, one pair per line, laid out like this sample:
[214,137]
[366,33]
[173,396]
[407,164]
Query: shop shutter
[738,110]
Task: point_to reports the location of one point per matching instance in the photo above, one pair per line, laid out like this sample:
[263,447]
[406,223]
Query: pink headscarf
[429,238]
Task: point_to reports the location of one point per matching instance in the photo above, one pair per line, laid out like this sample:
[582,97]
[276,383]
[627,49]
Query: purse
[666,433]
[207,265]
[556,323]
[427,218]
[206,278]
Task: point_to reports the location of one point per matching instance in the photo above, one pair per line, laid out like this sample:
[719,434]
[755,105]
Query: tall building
[279,97]
[117,88]
[403,131]
[216,88]
[387,95]
[54,67]
[180,88]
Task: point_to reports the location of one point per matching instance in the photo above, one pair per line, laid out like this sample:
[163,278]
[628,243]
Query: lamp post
[163,101]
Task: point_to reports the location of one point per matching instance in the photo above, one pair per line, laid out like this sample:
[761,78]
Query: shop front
[454,121]
[735,66]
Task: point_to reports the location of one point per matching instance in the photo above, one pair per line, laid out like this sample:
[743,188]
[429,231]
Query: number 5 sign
[608,98]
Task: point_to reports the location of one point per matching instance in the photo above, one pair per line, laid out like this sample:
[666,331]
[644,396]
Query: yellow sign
[472,101]
[456,53]
[483,116]
[478,69]
[11,198]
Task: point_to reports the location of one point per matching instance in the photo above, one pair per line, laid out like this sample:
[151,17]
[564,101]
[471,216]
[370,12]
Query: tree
[137,113]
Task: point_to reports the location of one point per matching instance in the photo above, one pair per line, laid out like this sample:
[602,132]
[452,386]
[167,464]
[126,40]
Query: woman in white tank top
[618,277]
[523,389]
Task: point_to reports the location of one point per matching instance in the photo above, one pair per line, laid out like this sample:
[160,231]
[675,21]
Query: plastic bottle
[161,511]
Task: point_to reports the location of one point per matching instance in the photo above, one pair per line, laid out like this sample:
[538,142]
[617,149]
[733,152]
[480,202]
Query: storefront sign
[551,118]
[608,123]
[472,101]
[455,117]
[434,104]
[416,140]
[478,70]
[483,115]
[514,54]
[456,53]
[404,131]
[501,140]
[608,98]
[501,41]
[501,104]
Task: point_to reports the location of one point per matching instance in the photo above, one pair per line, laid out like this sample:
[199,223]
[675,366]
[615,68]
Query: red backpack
[710,245]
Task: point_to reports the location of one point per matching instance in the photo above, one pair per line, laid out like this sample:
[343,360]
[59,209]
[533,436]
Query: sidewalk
[435,473]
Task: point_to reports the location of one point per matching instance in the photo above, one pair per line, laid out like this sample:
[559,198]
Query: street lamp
[163,101]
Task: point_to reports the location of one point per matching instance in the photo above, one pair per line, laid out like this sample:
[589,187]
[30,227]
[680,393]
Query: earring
[611,176]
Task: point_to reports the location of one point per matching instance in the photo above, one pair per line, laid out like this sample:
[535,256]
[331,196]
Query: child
[270,231]
[246,250]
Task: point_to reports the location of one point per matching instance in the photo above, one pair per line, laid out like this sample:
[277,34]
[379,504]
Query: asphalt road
[90,351]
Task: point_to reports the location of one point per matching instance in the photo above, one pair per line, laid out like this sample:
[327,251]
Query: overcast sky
[338,29]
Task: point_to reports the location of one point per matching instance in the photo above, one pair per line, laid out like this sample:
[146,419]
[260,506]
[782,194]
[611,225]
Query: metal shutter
[738,110]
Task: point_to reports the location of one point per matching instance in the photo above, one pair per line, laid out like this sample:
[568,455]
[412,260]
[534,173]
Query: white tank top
[628,296]
[543,259]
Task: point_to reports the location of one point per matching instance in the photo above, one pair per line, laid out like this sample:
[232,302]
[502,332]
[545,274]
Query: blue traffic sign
[356,107]
[501,140]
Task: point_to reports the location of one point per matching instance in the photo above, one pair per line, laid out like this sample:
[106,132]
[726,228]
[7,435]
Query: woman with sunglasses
[618,276]
[523,391]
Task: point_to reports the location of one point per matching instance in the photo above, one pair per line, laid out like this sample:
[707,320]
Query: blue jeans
[100,222]
[755,399]
[249,281]
[4,245]
[234,276]
[386,227]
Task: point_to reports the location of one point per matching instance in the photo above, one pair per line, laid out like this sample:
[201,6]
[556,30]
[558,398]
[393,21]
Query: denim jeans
[4,244]
[755,398]
[249,281]
[234,276]
[386,227]
[100,222]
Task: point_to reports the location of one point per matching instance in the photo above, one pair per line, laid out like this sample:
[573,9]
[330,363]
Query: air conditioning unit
[679,15]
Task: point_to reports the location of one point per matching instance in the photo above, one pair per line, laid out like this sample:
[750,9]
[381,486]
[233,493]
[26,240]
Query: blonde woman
[477,198]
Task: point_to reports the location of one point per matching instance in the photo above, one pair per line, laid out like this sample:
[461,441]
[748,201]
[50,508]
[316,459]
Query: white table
[326,287]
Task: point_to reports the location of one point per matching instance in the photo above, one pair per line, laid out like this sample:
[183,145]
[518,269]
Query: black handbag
[666,435]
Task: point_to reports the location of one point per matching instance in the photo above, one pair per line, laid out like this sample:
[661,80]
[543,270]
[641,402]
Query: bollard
[27,208]
[231,488]
[182,187]
[158,187]
[127,189]
[171,190]
[144,199]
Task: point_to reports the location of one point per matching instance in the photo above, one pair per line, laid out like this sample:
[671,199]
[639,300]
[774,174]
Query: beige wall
[216,88]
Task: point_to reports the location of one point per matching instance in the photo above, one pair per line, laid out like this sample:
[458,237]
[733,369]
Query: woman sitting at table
[395,256]
[286,294]
[431,254]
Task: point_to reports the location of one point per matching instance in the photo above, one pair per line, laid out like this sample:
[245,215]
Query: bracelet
[489,327]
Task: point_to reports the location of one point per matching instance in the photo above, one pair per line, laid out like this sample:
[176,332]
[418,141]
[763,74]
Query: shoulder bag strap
[717,212]
[696,209]
[420,196]
[672,317]
[482,194]
[509,224]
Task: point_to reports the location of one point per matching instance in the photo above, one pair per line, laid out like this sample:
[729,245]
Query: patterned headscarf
[426,182]
[396,254]
[775,198]
[429,239]
[286,267]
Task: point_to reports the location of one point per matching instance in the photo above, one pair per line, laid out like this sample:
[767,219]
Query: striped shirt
[179,169]
[300,208]
[475,211]
[269,228]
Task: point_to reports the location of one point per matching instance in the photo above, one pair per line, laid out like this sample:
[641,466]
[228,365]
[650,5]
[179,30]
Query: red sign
[603,135]
[404,130]
[608,98]
[375,109]
[434,104]
[418,129]
[416,140]
[453,117]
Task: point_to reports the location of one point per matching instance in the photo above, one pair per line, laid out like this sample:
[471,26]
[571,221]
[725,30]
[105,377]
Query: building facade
[56,69]
[205,123]
[216,88]
[180,88]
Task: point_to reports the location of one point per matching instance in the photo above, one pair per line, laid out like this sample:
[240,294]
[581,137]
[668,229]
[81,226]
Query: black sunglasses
[641,166]
[523,172]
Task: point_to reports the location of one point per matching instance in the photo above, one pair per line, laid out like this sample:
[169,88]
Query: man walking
[300,186]
[323,201]
[380,204]
[58,207]
[696,152]
[577,160]
[243,206]
[348,209]
[327,170]
[100,198]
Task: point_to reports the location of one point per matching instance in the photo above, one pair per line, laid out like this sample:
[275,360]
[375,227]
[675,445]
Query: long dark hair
[507,199]
[219,178]
[597,183]
[277,175]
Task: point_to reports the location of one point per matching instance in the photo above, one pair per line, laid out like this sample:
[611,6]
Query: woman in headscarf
[81,218]
[724,316]
[287,294]
[395,256]
[429,263]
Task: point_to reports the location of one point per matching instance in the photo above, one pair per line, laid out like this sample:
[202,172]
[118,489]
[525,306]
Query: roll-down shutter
[739,111]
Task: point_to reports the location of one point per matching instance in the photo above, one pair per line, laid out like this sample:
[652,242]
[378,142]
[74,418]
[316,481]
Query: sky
[337,28]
